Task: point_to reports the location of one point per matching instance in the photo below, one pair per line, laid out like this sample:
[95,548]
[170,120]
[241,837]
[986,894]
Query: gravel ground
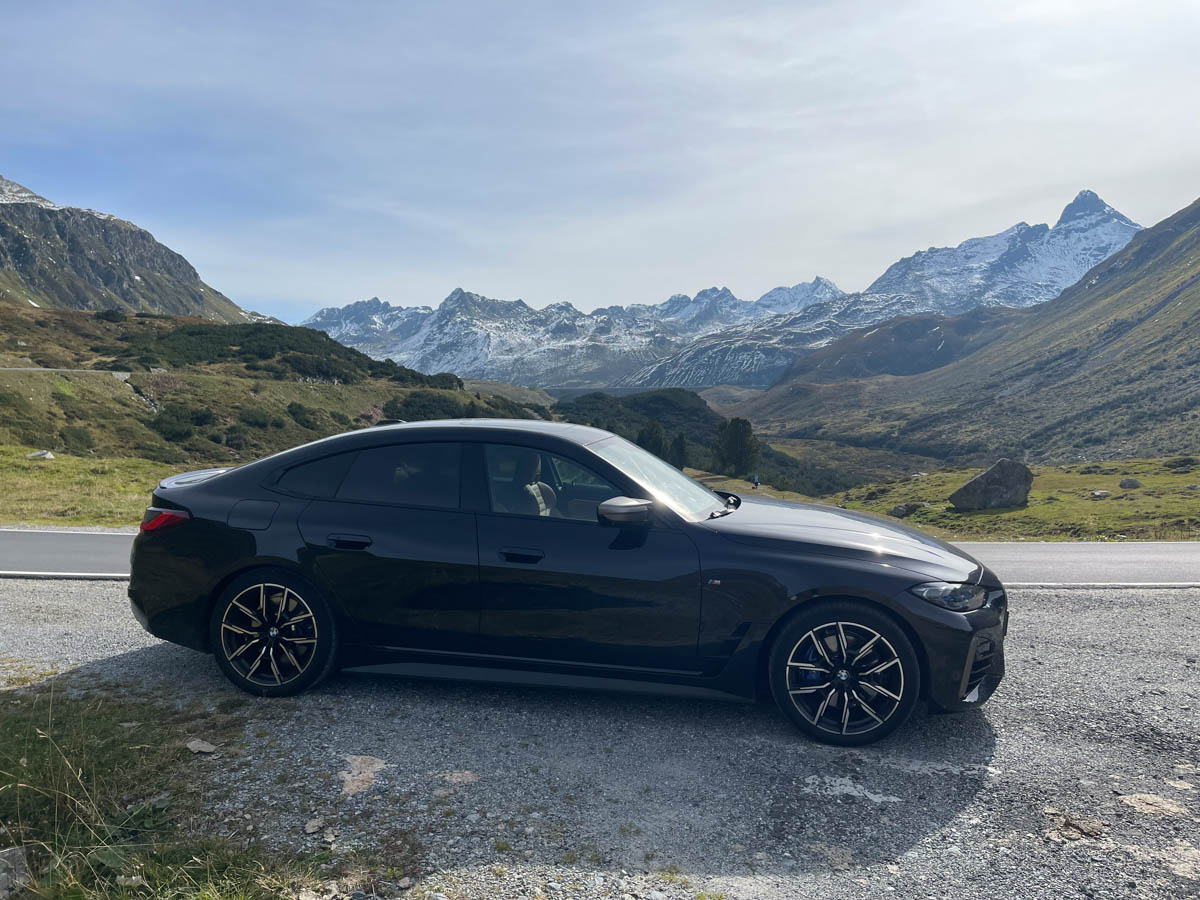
[1080,778]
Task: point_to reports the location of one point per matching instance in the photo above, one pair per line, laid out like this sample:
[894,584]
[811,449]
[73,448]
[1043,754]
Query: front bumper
[964,652]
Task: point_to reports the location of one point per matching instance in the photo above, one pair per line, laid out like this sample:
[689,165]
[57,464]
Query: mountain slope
[1109,368]
[67,258]
[1021,266]
[557,346]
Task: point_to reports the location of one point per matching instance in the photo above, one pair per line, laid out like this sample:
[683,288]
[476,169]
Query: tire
[273,634]
[844,673]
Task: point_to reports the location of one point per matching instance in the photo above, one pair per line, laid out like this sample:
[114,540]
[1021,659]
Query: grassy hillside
[683,412]
[76,490]
[181,391]
[906,346]
[1060,508]
[1109,369]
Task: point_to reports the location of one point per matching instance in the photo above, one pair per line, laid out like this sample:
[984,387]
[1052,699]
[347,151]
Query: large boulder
[1006,483]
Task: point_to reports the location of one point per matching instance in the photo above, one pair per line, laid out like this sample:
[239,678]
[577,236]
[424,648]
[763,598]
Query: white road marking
[68,576]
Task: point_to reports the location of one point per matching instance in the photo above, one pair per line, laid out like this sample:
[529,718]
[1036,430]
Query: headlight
[958,597]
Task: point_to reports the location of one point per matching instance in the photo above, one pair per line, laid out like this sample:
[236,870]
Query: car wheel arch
[799,605]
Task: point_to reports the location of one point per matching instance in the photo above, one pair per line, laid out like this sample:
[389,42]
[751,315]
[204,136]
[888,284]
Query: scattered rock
[130,880]
[1193,487]
[904,510]
[1099,495]
[40,454]
[1130,483]
[1153,805]
[1006,483]
[460,777]
[199,746]
[361,774]
[657,895]
[404,883]
[14,871]
[312,826]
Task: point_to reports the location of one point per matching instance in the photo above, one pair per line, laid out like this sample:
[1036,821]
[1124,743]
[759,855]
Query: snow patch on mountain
[557,346]
[1021,266]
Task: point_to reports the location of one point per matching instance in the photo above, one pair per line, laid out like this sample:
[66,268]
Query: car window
[665,483]
[571,473]
[405,474]
[530,482]
[319,478]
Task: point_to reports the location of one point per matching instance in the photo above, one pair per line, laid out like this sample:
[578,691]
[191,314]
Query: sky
[309,154]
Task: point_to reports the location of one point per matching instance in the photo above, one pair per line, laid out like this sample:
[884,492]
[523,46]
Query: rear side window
[405,474]
[319,478]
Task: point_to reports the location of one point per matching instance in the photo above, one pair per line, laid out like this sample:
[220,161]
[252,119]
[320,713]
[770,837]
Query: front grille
[981,664]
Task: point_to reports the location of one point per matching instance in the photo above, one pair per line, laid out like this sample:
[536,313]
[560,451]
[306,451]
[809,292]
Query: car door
[396,549]
[556,584]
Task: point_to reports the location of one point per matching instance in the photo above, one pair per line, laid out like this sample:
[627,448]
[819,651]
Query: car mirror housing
[624,511]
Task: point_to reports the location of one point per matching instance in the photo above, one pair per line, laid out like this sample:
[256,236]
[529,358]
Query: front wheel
[844,673]
[272,633]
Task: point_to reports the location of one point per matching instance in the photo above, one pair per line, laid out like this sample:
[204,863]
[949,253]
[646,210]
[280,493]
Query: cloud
[313,153]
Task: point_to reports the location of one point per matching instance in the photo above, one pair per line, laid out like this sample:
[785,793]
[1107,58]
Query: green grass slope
[1111,368]
[182,391]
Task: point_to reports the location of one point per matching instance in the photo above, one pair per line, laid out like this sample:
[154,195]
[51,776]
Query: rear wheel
[845,673]
[272,633]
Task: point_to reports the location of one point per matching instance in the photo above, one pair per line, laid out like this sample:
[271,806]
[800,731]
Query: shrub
[111,315]
[173,422]
[255,417]
[77,439]
[303,415]
[201,417]
[421,405]
[235,438]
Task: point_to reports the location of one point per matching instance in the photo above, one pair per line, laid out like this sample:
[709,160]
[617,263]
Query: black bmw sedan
[566,551]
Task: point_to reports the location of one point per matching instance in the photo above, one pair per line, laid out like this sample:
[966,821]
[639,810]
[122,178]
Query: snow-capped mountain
[1021,266]
[714,337]
[557,346]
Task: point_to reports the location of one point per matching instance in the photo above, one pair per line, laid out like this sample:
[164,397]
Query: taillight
[157,519]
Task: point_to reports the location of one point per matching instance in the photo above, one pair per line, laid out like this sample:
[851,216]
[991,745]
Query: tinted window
[319,478]
[405,474]
[529,482]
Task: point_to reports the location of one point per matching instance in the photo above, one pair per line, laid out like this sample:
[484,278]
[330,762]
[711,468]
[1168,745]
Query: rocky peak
[1087,204]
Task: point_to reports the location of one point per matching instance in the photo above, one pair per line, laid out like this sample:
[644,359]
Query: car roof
[581,435]
[577,434]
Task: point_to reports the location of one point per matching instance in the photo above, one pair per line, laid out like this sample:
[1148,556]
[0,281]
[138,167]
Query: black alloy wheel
[272,633]
[845,673]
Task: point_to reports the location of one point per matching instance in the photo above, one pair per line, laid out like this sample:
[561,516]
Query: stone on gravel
[14,871]
[1005,484]
[1130,483]
[312,826]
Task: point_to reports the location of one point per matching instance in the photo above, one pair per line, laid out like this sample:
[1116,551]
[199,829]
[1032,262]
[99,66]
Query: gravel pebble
[1069,782]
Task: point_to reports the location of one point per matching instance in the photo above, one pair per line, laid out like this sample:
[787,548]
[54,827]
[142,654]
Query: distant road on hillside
[1150,563]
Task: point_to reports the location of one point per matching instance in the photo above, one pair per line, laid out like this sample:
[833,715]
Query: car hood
[812,528]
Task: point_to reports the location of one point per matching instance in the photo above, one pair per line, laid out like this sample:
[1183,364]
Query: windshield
[665,483]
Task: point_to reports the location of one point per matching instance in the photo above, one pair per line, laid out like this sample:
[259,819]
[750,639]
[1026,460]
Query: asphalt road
[1079,778]
[1054,563]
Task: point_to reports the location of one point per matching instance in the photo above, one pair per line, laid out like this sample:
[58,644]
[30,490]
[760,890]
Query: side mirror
[624,511]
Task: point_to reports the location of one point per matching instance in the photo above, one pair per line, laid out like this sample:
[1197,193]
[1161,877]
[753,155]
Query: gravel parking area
[1080,778]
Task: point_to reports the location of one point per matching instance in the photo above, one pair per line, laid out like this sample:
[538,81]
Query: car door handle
[348,541]
[522,554]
